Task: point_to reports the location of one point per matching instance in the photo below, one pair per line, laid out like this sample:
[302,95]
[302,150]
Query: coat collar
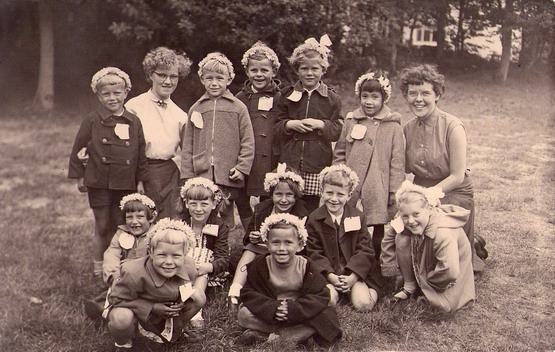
[158,279]
[272,89]
[384,115]
[227,95]
[104,114]
[322,88]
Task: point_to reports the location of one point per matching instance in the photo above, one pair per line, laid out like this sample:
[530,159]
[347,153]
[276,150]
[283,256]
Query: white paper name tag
[196,119]
[397,224]
[211,230]
[352,223]
[358,131]
[295,96]
[126,241]
[122,130]
[265,103]
[186,291]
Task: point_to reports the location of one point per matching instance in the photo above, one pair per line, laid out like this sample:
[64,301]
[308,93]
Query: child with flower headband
[372,145]
[201,199]
[285,188]
[308,117]
[427,245]
[285,297]
[129,242]
[116,166]
[260,94]
[156,294]
[339,244]
[219,141]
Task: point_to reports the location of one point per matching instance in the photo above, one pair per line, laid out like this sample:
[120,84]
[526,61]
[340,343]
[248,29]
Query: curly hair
[418,75]
[260,51]
[164,57]
[216,62]
[309,51]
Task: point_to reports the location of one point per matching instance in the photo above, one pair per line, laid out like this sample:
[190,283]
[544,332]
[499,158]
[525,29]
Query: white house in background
[421,36]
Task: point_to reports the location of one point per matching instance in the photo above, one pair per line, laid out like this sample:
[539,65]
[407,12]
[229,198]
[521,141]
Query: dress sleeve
[112,259]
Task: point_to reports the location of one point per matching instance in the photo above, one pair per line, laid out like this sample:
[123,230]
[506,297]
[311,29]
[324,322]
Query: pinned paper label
[295,96]
[397,224]
[196,119]
[352,223]
[122,130]
[265,103]
[210,230]
[186,291]
[126,241]
[358,131]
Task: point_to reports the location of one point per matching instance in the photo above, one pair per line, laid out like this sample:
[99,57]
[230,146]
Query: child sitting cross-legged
[285,188]
[129,242]
[285,297]
[156,294]
[339,243]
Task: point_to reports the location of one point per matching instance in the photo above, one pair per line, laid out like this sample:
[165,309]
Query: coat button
[264,135]
[127,162]
[376,123]
[104,159]
[127,144]
[104,140]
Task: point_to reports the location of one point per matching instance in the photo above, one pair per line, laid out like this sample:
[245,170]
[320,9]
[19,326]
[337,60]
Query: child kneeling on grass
[339,243]
[156,294]
[428,245]
[285,297]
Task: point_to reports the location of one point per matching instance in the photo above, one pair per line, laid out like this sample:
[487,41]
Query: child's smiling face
[310,72]
[371,103]
[283,198]
[168,258]
[215,82]
[137,222]
[415,216]
[112,96]
[335,198]
[260,73]
[283,244]
[200,209]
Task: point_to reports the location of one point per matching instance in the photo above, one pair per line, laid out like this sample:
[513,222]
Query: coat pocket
[200,163]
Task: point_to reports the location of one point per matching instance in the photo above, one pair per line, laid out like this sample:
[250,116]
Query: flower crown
[110,71]
[202,182]
[340,168]
[138,197]
[287,218]
[432,194]
[262,49]
[220,58]
[177,225]
[382,80]
[272,178]
[311,44]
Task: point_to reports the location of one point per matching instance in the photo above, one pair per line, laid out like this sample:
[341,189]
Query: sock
[97,267]
[128,344]
[198,316]
[407,286]
[235,290]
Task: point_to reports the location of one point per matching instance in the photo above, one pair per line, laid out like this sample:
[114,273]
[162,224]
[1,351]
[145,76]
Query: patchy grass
[47,232]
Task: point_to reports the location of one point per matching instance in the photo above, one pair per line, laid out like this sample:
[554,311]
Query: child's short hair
[374,82]
[419,74]
[311,49]
[173,232]
[109,76]
[164,57]
[260,51]
[284,174]
[200,188]
[137,202]
[409,192]
[339,175]
[216,62]
[284,221]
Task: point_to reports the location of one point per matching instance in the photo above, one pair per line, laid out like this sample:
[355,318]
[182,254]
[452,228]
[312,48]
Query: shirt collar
[227,95]
[156,99]
[431,119]
[158,279]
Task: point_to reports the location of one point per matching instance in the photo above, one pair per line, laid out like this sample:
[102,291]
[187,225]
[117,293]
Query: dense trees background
[50,48]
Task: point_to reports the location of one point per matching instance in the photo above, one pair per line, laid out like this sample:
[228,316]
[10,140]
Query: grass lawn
[46,238]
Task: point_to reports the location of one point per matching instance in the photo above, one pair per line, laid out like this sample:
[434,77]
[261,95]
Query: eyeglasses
[423,94]
[164,76]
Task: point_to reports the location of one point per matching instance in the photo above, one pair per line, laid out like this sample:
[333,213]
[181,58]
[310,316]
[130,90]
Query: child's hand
[83,156]
[347,281]
[254,237]
[334,280]
[165,311]
[236,175]
[81,185]
[298,126]
[205,268]
[391,201]
[315,124]
[140,187]
[281,311]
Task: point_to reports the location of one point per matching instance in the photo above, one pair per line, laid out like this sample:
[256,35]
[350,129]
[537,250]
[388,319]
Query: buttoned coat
[342,252]
[265,153]
[378,159]
[225,140]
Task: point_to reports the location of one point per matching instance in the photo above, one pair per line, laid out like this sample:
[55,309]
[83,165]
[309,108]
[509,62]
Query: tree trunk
[44,96]
[459,41]
[441,21]
[506,42]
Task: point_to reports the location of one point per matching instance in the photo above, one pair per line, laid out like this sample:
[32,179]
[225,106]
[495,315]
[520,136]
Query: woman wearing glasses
[162,122]
[436,144]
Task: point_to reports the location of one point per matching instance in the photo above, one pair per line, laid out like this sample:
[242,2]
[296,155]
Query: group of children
[314,237]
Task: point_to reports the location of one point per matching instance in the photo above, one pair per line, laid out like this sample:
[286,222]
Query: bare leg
[247,320]
[363,297]
[297,333]
[103,231]
[240,277]
[404,260]
[122,325]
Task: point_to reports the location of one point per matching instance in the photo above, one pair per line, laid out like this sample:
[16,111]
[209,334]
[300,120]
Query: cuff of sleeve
[390,270]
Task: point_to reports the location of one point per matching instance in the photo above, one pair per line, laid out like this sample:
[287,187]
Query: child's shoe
[251,337]
[233,306]
[194,333]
